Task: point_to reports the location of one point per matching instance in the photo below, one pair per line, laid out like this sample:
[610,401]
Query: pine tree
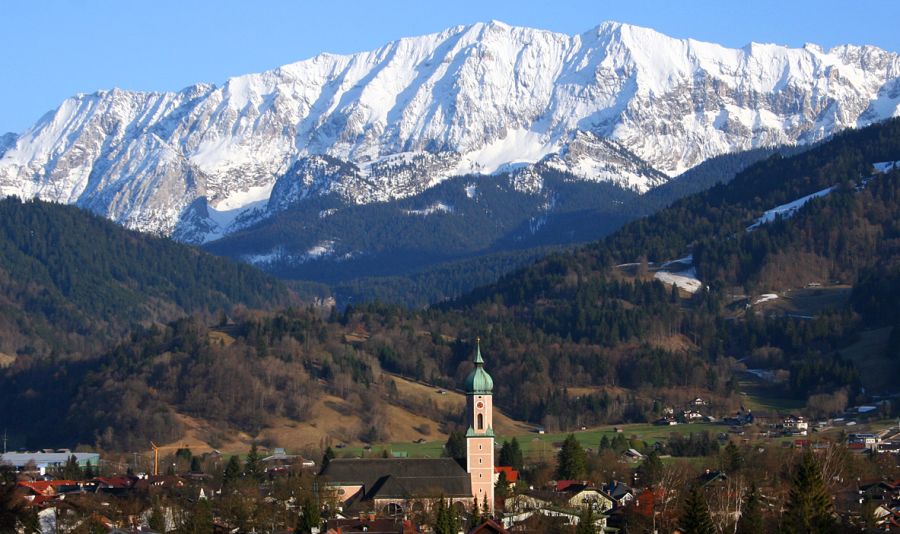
[732,460]
[619,443]
[195,465]
[809,507]
[309,516]
[72,471]
[476,514]
[452,518]
[456,446]
[327,457]
[695,518]
[516,458]
[501,488]
[604,443]
[253,468]
[751,520]
[446,519]
[586,522]
[88,470]
[233,471]
[197,520]
[651,469]
[157,519]
[571,460]
[505,457]
[12,503]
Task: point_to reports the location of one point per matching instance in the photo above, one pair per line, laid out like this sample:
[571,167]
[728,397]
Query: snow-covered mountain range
[617,103]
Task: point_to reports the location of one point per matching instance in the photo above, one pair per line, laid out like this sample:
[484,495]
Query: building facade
[480,435]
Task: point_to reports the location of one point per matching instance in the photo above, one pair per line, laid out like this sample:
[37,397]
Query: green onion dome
[479,382]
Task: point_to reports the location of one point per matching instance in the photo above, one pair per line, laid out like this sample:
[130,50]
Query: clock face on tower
[479,404]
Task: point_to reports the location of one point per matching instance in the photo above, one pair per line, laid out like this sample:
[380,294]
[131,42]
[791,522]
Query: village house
[588,496]
[632,456]
[512,476]
[711,479]
[565,502]
[668,420]
[860,442]
[279,462]
[795,426]
[620,493]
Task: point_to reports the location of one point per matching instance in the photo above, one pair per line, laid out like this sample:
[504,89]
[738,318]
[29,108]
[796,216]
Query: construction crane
[156,448]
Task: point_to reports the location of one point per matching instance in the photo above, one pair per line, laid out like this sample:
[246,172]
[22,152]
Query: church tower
[480,436]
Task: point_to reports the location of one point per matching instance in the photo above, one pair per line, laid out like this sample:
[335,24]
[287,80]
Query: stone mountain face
[618,103]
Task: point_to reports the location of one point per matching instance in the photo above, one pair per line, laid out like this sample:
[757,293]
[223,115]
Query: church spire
[479,381]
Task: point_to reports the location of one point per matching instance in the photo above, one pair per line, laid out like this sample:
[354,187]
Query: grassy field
[758,396]
[538,447]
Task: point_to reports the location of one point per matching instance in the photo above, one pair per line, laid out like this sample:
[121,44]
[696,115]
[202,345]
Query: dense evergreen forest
[571,340]
[72,282]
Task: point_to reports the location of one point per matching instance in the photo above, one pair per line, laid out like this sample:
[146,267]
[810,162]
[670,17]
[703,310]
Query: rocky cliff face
[618,103]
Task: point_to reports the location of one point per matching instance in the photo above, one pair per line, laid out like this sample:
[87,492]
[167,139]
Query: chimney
[371,516]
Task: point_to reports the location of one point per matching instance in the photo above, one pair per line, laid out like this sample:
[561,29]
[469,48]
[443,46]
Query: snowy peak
[618,103]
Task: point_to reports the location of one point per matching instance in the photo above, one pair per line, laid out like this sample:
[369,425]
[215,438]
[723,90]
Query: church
[400,486]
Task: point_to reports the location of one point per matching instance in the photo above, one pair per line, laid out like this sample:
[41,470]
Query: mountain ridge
[476,99]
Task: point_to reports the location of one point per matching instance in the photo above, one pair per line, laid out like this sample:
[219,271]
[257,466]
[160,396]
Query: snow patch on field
[279,255]
[765,297]
[437,207]
[686,280]
[786,211]
[323,248]
[886,166]
[276,255]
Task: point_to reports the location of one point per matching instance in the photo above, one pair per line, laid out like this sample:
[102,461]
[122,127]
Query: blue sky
[52,49]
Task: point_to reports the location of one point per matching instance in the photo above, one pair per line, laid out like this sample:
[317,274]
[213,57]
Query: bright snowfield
[765,297]
[886,166]
[786,211]
[686,280]
[618,102]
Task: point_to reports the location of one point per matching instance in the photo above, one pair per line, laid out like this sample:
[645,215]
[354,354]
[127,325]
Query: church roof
[479,381]
[401,478]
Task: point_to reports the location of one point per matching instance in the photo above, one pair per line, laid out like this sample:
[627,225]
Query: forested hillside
[579,338]
[580,214]
[72,283]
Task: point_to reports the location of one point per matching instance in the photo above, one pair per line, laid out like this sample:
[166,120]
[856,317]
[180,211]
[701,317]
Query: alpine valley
[477,140]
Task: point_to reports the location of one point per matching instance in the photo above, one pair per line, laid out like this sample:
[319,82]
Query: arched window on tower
[481,421]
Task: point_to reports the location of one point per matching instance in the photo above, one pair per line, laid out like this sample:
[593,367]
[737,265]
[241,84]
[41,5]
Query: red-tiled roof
[512,475]
[41,487]
[488,527]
